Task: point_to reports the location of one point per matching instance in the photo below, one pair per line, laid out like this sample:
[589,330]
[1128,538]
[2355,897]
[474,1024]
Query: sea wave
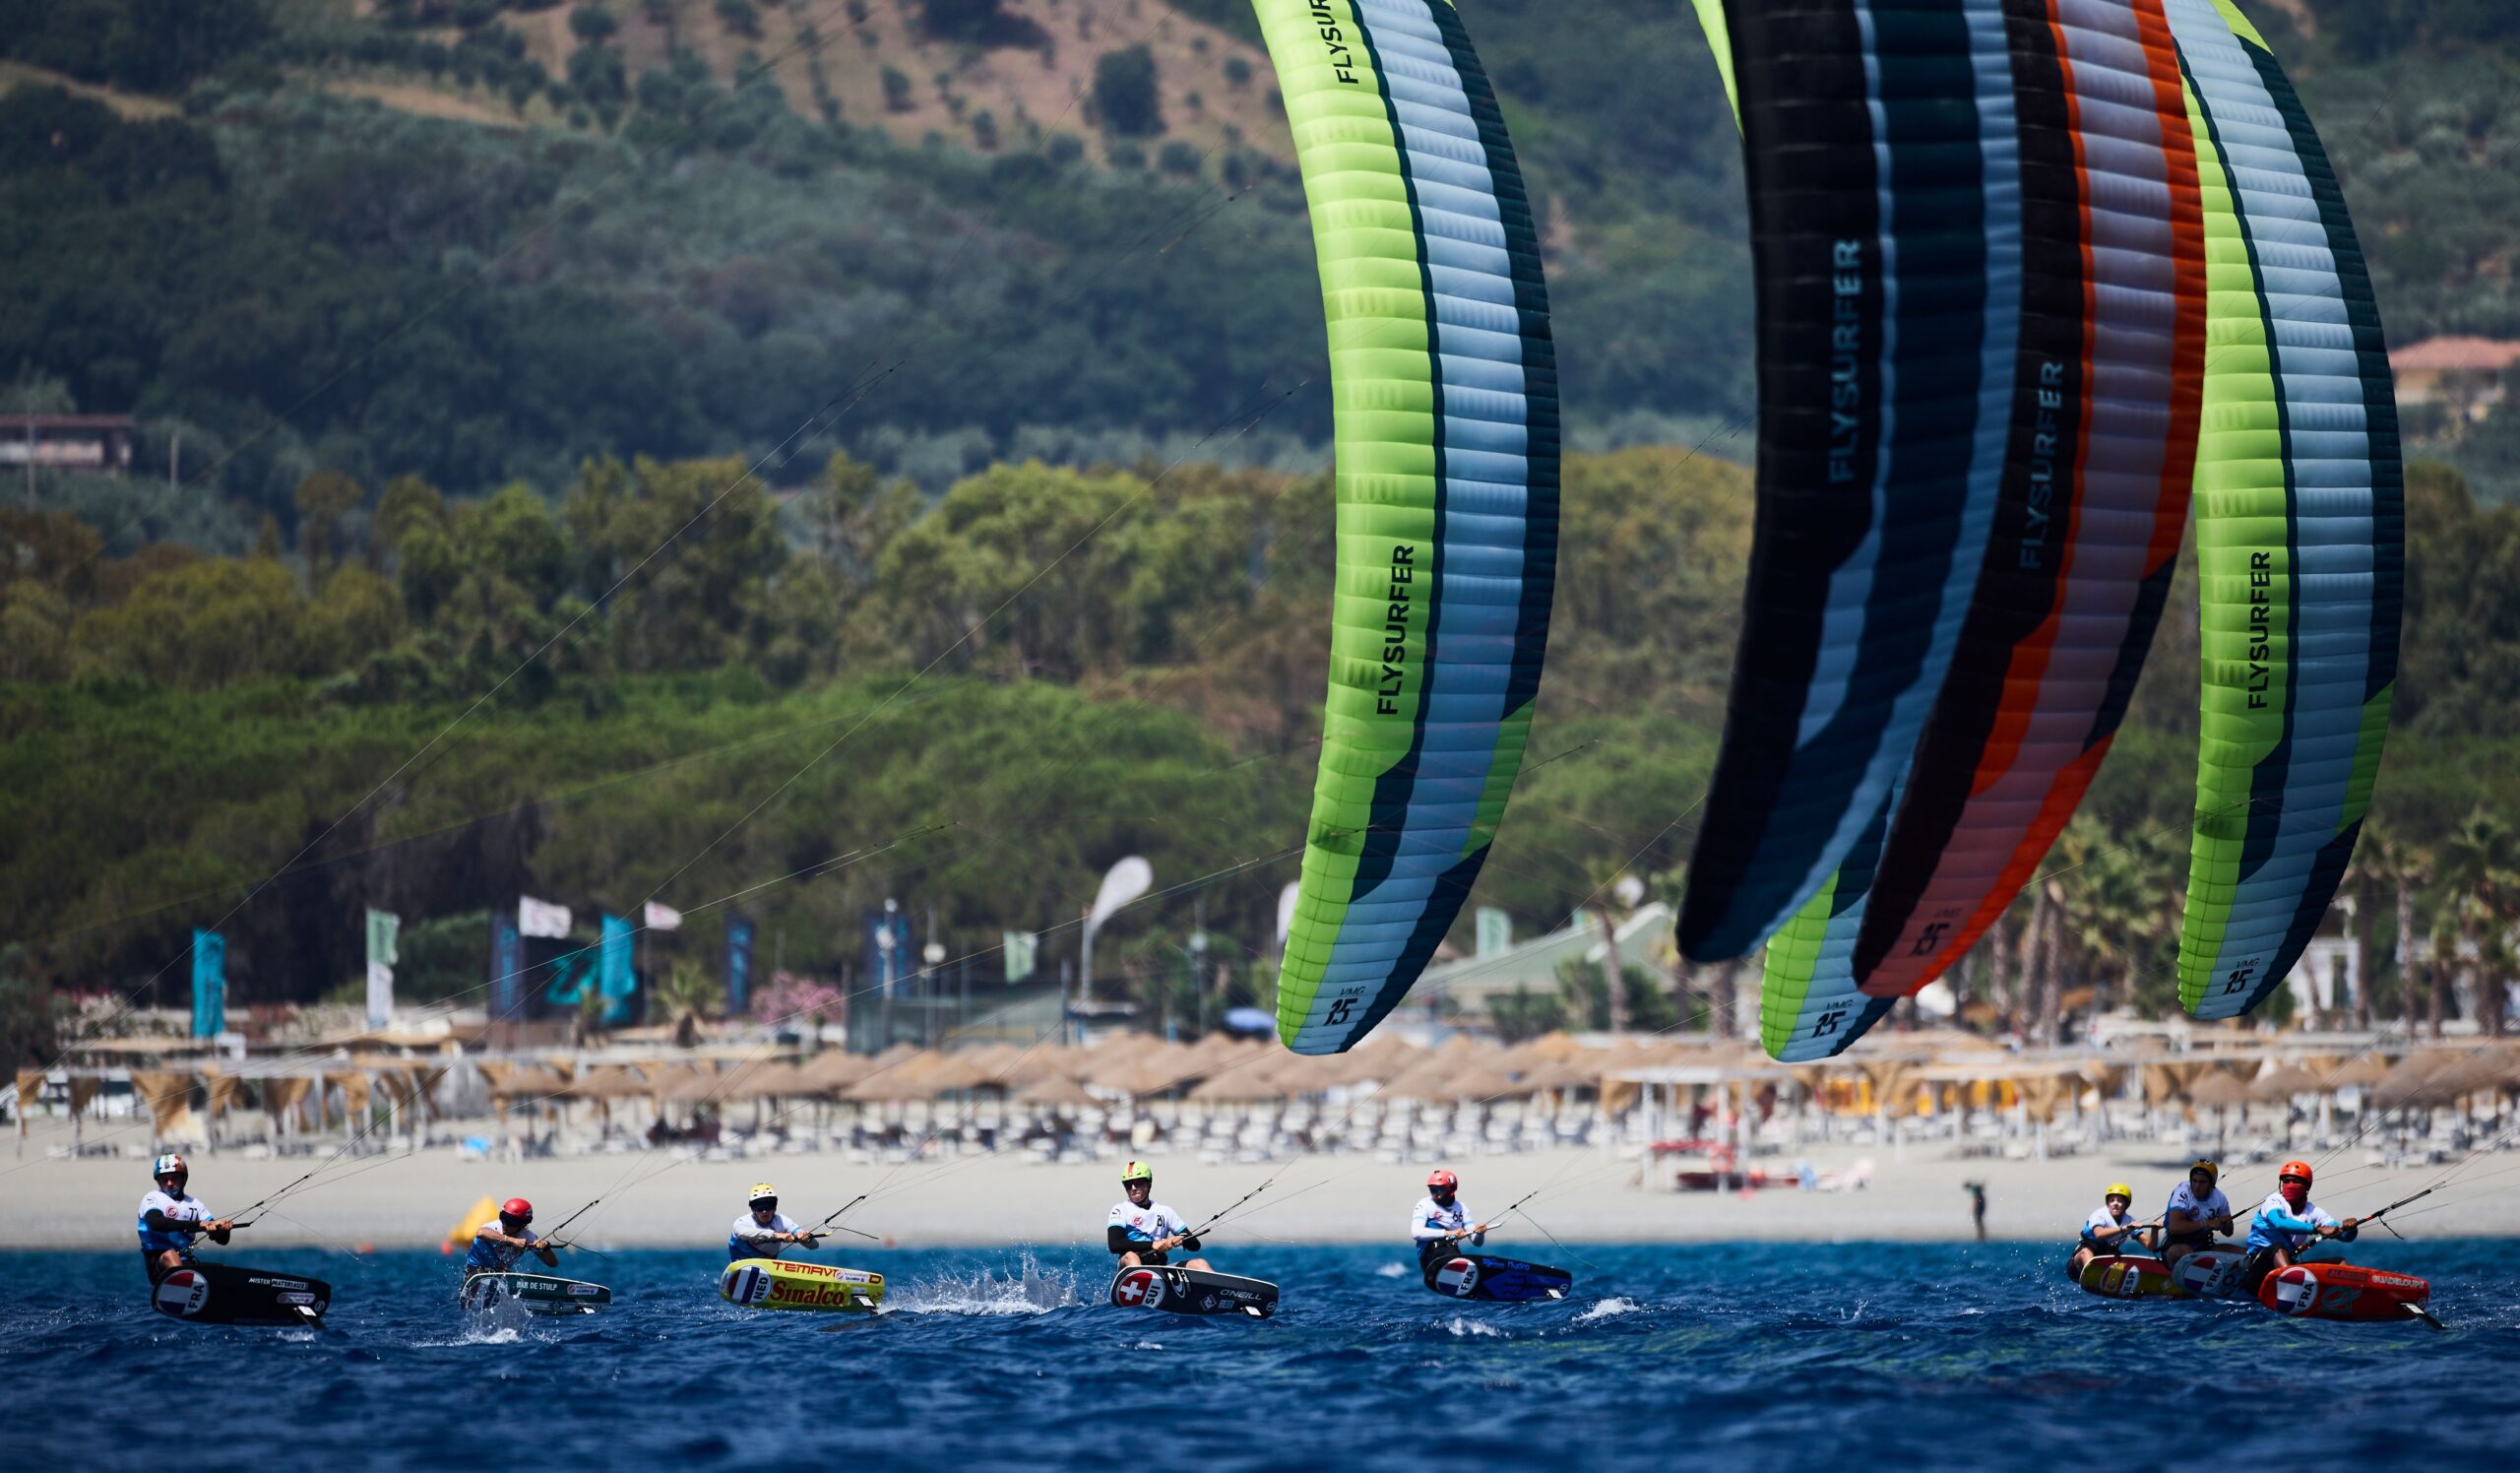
[1796,1358]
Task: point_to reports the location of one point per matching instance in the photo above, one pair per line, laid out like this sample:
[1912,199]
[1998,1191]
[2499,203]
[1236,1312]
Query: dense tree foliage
[817,700]
[385,293]
[148,45]
[696,266]
[704,441]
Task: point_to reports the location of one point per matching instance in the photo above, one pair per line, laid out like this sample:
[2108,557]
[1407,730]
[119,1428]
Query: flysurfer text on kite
[1845,350]
[1342,58]
[1394,629]
[2048,447]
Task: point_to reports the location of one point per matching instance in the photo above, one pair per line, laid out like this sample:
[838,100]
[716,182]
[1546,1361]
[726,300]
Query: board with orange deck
[2347,1291]
[770,1284]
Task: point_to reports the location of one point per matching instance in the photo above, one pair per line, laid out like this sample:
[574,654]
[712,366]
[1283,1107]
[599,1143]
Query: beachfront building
[94,444]
[2464,375]
[1469,984]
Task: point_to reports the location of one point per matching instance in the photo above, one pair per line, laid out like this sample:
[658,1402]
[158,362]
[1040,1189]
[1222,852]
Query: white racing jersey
[174,1209]
[2183,1198]
[1431,1222]
[1145,1225]
[2101,1218]
[751,1239]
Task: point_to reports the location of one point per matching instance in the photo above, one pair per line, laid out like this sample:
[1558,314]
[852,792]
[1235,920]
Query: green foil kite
[2301,526]
[1444,398]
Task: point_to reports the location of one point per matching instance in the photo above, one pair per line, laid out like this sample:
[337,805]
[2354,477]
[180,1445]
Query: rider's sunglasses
[2304,1180]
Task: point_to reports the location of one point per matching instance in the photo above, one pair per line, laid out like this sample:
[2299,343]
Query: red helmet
[1442,1181]
[518,1208]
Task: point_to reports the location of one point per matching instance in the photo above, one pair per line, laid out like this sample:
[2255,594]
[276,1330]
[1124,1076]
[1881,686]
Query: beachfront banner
[384,930]
[888,949]
[662,917]
[1023,952]
[1495,930]
[616,972]
[540,918]
[507,968]
[738,966]
[210,983]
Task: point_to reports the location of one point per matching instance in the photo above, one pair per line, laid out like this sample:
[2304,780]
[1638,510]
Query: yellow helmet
[1137,1171]
[2120,1189]
[2207,1166]
[762,1191]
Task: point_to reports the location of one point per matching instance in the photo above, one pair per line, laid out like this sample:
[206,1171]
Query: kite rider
[2110,1229]
[170,1220]
[2195,1212]
[1143,1230]
[506,1237]
[760,1232]
[1440,1222]
[2288,1222]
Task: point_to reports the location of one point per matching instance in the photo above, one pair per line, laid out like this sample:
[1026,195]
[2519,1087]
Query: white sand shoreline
[657,1199]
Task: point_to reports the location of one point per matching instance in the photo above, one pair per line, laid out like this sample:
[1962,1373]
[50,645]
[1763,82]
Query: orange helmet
[2301,1168]
[1442,1181]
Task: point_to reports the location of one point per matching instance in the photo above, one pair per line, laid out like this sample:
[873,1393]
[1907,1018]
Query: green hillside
[859,316]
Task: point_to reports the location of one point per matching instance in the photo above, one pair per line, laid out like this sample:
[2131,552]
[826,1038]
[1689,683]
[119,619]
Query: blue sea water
[1758,1356]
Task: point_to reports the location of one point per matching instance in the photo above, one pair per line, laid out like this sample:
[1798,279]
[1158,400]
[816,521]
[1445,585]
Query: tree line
[975,701]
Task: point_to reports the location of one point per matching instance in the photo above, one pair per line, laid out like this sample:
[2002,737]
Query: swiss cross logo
[1136,1288]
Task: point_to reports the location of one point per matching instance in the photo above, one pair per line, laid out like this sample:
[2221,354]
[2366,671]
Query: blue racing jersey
[495,1257]
[2277,1225]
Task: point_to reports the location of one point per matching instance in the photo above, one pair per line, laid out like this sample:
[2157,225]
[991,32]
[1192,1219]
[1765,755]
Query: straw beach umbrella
[1054,1090]
[2220,1092]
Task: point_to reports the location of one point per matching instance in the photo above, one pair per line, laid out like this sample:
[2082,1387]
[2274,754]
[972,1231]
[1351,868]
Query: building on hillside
[98,444]
[1468,983]
[2463,373]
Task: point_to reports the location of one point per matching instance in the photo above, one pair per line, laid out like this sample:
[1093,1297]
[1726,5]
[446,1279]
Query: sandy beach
[655,1198]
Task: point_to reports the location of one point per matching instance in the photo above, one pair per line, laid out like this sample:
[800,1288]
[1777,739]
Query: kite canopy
[2116,215]
[1983,322]
[2301,527]
[1445,396]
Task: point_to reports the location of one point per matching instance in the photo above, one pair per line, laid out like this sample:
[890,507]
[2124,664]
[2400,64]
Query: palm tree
[2479,872]
[2046,949]
[2117,910]
[2413,874]
[2385,856]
